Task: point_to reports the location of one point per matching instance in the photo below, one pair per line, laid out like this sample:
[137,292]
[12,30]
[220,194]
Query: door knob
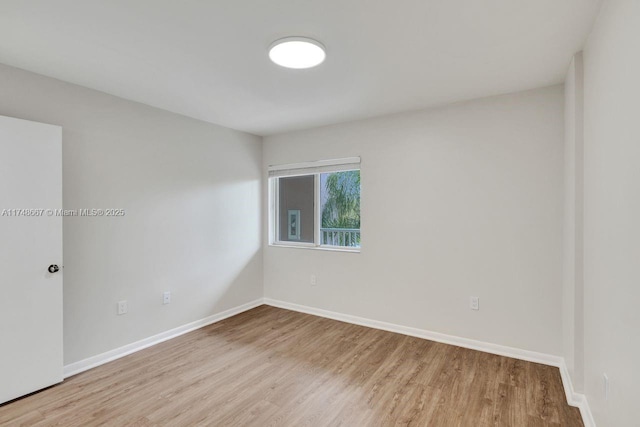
[53,268]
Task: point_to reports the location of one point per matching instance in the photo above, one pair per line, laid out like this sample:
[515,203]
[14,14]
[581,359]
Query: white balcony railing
[349,237]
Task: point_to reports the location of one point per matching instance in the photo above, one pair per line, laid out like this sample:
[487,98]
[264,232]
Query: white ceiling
[208,59]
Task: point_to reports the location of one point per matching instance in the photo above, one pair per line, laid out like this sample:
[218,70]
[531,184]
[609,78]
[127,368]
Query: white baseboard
[530,356]
[576,399]
[585,411]
[573,398]
[100,359]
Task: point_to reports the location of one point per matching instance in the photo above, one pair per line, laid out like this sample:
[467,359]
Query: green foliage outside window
[341,208]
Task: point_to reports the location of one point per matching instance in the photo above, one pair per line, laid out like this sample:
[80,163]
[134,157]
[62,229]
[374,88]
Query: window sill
[317,248]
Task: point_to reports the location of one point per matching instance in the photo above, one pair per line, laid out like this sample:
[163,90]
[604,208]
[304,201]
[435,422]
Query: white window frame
[304,169]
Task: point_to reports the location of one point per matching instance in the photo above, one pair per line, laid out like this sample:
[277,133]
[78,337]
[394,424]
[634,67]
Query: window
[316,204]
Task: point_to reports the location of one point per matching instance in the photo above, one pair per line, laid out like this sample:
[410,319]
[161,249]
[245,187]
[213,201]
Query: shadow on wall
[232,292]
[202,242]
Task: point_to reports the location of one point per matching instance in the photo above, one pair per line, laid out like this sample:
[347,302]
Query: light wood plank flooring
[274,367]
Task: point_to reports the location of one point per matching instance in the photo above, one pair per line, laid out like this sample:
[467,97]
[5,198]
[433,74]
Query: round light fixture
[297,52]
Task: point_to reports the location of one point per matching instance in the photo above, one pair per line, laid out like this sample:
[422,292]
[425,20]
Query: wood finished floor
[274,367]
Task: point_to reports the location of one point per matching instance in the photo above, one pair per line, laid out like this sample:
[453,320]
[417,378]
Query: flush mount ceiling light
[297,52]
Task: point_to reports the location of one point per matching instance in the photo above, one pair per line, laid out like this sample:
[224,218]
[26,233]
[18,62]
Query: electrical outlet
[605,383]
[122,307]
[166,297]
[474,303]
[313,280]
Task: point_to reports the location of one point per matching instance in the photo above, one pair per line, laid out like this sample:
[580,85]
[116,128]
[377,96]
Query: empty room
[333,213]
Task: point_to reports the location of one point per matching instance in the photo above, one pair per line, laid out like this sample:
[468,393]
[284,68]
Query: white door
[30,242]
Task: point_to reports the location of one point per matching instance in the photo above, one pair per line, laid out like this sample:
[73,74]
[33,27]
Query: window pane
[296,208]
[340,208]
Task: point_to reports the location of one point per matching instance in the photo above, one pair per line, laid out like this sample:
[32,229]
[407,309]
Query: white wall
[456,201]
[573,289]
[191,191]
[612,213]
